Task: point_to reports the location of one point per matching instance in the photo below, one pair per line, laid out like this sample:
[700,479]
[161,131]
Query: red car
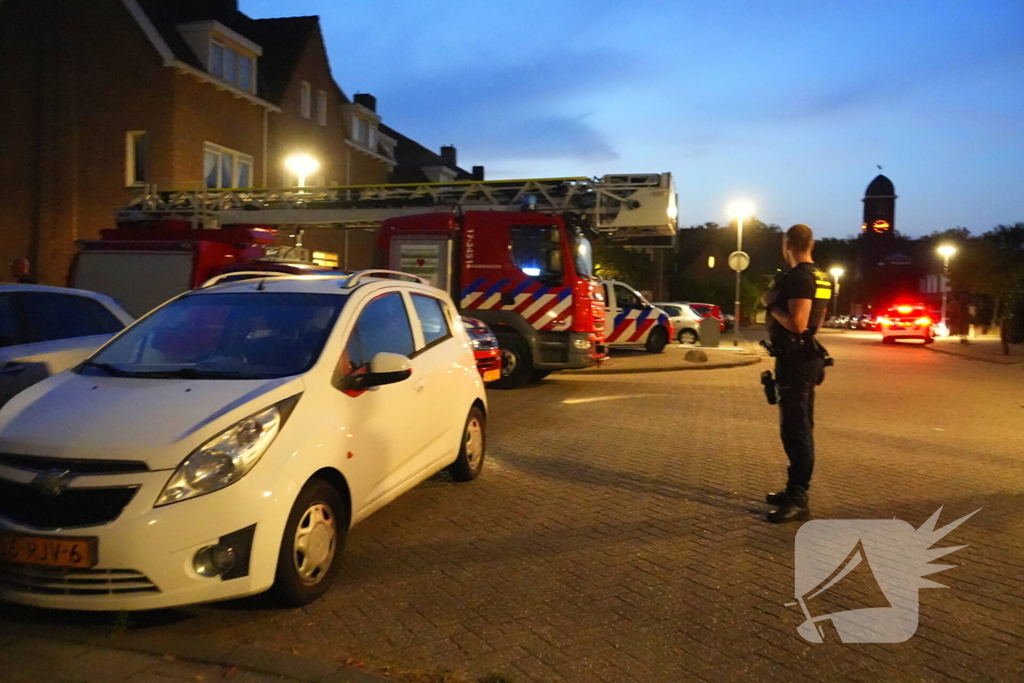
[708,311]
[485,349]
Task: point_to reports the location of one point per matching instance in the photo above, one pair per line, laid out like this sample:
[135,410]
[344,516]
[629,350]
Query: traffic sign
[739,260]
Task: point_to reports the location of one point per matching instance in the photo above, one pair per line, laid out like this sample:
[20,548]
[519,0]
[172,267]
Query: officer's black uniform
[799,367]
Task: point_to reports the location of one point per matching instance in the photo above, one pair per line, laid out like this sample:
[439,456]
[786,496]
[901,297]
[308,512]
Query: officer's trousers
[796,378]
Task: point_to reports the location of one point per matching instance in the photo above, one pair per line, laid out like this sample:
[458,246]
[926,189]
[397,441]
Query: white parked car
[685,321]
[225,443]
[633,320]
[44,330]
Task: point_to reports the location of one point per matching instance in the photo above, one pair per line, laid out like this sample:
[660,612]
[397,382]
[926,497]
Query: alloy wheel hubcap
[509,362]
[474,442]
[316,540]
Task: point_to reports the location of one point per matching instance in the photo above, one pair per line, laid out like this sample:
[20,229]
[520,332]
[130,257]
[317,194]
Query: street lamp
[740,210]
[302,166]
[837,273]
[946,251]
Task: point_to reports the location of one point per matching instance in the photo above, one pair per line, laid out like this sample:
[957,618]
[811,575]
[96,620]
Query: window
[382,327]
[217,59]
[305,100]
[136,158]
[672,311]
[230,63]
[51,316]
[325,258]
[225,168]
[321,108]
[432,319]
[9,333]
[626,297]
[371,138]
[245,73]
[537,251]
[251,335]
[359,129]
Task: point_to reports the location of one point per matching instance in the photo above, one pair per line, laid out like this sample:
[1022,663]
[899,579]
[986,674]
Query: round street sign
[739,260]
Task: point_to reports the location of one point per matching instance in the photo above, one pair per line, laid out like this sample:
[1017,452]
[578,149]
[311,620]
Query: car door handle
[419,386]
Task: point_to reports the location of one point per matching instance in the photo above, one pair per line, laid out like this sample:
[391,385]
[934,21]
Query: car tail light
[884,321]
[923,321]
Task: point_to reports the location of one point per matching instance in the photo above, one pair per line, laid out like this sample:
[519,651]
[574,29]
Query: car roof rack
[237,276]
[354,279]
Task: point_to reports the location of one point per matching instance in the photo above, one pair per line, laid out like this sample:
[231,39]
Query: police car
[634,321]
[906,321]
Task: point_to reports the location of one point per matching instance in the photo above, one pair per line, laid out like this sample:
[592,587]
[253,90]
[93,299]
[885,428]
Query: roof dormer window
[226,54]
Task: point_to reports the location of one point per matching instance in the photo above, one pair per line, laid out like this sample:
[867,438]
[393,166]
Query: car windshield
[583,256]
[250,335]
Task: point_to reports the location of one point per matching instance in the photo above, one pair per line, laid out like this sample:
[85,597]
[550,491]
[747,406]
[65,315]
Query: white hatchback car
[685,321]
[225,443]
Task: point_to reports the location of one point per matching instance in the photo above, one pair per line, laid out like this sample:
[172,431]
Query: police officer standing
[796,308]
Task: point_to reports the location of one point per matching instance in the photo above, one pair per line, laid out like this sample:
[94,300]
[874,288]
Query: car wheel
[688,337]
[517,362]
[470,462]
[657,340]
[313,541]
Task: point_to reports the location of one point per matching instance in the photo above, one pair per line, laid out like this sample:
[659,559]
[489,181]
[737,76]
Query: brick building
[105,97]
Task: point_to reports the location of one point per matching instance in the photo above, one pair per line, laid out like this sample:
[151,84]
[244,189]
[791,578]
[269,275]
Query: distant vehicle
[45,330]
[868,322]
[730,321]
[226,443]
[634,320]
[708,310]
[685,321]
[485,349]
[907,321]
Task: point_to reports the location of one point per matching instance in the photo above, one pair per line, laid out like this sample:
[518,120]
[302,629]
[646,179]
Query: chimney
[478,173]
[449,156]
[367,100]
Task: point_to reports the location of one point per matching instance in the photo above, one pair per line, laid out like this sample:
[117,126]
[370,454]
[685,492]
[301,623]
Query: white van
[633,320]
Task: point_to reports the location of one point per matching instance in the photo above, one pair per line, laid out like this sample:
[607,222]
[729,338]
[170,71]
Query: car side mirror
[385,368]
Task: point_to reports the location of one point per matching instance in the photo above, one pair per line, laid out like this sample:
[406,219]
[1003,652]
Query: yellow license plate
[492,375]
[49,551]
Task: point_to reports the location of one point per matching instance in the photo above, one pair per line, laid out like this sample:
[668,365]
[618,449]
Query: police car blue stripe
[642,317]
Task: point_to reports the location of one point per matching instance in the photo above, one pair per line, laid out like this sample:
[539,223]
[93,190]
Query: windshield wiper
[111,370]
[193,373]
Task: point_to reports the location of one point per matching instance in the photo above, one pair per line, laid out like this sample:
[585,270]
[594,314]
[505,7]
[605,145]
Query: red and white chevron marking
[542,312]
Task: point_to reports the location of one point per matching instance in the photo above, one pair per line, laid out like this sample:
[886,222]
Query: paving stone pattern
[617,534]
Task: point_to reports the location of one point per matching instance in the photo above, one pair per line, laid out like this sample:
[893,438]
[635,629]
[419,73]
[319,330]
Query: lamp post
[837,273]
[946,251]
[740,210]
[302,166]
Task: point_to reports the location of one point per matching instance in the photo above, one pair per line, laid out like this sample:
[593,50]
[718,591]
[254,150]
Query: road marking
[573,401]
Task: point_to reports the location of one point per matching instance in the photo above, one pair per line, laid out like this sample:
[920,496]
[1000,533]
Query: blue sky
[789,104]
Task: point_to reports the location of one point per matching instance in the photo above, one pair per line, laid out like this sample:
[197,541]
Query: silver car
[685,322]
[45,330]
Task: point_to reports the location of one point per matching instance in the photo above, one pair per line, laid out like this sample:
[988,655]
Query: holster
[770,387]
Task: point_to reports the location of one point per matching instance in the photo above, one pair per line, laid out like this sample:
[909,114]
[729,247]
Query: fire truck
[515,254]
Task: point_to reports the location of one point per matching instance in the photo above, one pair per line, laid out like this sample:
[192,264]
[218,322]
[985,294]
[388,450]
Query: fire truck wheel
[657,340]
[471,456]
[517,363]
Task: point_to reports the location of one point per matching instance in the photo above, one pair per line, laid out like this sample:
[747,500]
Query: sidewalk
[987,349]
[32,656]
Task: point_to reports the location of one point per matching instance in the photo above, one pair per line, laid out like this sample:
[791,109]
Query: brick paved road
[617,534]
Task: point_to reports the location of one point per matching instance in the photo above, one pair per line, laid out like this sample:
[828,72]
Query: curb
[993,361]
[284,665]
[751,360]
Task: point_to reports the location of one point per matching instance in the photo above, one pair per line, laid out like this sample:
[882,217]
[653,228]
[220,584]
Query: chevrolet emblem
[52,482]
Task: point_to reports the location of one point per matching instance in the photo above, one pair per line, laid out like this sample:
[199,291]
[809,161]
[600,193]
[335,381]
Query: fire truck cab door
[429,257]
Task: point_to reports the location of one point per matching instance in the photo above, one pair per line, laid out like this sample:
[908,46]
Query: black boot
[795,509]
[777,499]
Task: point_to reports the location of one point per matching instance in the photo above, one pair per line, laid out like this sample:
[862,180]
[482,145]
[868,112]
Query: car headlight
[227,457]
[477,343]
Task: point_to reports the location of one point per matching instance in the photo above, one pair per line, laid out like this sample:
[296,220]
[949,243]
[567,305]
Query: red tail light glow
[923,321]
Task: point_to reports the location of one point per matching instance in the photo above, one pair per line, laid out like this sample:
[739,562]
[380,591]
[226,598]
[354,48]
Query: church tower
[878,232]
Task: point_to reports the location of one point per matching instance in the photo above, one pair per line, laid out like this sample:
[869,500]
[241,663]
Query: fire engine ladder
[639,204]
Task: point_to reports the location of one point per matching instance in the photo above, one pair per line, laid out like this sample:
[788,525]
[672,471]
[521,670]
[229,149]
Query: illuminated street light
[302,166]
[837,273]
[946,251]
[740,210]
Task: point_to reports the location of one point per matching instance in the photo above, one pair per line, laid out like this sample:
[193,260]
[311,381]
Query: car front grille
[72,466]
[72,507]
[50,581]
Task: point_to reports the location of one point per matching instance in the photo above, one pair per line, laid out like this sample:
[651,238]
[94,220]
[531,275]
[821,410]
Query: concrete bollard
[696,356]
